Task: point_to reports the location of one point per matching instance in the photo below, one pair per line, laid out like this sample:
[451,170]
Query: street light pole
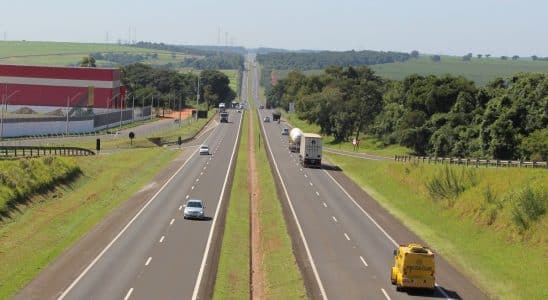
[133,109]
[197,96]
[180,119]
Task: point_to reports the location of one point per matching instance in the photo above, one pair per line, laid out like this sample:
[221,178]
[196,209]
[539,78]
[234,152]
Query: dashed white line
[301,169]
[192,187]
[311,184]
[128,294]
[148,260]
[171,223]
[197,179]
[346,236]
[324,205]
[305,175]
[201,173]
[334,219]
[363,261]
[162,239]
[180,207]
[187,196]
[385,294]
[205,167]
[317,194]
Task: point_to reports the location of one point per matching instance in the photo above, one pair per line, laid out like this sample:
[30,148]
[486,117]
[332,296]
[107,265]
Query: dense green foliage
[19,179]
[168,86]
[441,116]
[206,57]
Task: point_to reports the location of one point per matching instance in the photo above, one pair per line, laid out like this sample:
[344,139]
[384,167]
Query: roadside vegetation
[22,178]
[233,273]
[53,221]
[490,223]
[436,116]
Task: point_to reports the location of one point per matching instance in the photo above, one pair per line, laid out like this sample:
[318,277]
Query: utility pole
[180,119]
[121,112]
[133,109]
[151,106]
[197,96]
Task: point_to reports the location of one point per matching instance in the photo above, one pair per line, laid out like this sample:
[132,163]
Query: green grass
[53,222]
[233,278]
[504,260]
[234,77]
[368,144]
[283,277]
[481,71]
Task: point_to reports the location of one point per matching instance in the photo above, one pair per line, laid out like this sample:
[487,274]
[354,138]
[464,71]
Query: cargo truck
[295,139]
[224,117]
[310,152]
[276,116]
[413,268]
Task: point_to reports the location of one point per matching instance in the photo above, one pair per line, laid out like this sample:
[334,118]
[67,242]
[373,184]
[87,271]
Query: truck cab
[414,267]
[224,117]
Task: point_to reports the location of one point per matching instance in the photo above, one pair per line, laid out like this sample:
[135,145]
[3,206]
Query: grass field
[234,77]
[62,54]
[53,222]
[481,71]
[233,278]
[368,144]
[474,230]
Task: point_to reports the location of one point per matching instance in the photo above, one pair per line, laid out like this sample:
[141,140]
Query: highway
[158,254]
[349,253]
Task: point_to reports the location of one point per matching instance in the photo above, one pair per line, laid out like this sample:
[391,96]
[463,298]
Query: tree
[515,57]
[215,88]
[487,55]
[479,56]
[435,58]
[414,54]
[88,62]
[504,57]
[467,57]
[534,57]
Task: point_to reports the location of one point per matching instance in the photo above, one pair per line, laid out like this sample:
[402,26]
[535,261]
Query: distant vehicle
[295,139]
[285,131]
[204,150]
[276,116]
[222,105]
[239,110]
[266,119]
[261,106]
[241,106]
[224,117]
[414,267]
[310,151]
[194,209]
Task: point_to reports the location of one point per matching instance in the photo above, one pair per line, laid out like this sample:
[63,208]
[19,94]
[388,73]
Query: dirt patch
[257,255]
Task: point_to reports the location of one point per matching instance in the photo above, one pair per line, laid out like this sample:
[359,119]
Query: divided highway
[159,254]
[349,253]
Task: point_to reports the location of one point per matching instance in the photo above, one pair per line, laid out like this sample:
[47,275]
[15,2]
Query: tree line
[169,87]
[432,115]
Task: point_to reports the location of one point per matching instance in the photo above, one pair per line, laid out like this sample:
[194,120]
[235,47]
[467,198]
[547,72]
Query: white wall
[45,128]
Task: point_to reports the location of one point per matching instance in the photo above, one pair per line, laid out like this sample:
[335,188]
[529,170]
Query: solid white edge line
[208,244]
[98,257]
[385,294]
[303,238]
[376,224]
[128,294]
[363,261]
[148,261]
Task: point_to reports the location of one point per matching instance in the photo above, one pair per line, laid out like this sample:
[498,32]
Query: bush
[449,184]
[529,206]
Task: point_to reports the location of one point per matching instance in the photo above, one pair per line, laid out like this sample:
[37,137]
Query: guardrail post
[534,164]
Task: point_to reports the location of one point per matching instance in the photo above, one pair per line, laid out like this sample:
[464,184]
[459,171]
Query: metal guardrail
[34,151]
[472,162]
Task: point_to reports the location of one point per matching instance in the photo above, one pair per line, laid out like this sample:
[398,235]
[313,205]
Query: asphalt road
[349,252]
[158,254]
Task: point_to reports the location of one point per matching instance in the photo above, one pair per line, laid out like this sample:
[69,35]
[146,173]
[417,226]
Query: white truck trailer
[295,139]
[310,152]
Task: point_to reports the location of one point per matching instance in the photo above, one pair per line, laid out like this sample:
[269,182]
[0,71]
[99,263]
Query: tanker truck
[295,139]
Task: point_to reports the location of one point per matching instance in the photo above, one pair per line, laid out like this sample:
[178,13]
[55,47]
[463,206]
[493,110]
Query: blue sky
[498,27]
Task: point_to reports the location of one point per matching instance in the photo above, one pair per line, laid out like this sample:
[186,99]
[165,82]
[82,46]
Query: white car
[204,150]
[194,209]
[266,119]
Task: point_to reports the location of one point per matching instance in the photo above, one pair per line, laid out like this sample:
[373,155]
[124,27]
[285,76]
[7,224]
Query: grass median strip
[233,278]
[469,216]
[54,221]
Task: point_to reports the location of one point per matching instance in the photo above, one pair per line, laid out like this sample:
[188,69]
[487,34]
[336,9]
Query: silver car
[194,209]
[204,150]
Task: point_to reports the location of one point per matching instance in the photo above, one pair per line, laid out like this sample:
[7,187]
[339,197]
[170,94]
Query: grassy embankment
[50,223]
[62,54]
[481,71]
[368,144]
[490,223]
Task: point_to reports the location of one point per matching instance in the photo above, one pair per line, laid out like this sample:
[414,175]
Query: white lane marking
[334,219]
[162,239]
[197,179]
[180,207]
[301,233]
[385,294]
[205,167]
[317,194]
[305,175]
[324,205]
[377,224]
[171,223]
[187,196]
[192,187]
[208,244]
[201,173]
[128,294]
[96,259]
[148,260]
[207,163]
[311,184]
[363,261]
[346,236]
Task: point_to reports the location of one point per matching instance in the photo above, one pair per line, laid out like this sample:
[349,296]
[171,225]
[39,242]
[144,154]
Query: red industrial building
[54,86]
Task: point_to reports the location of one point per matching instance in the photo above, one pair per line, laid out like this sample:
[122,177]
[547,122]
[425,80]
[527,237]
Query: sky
[496,27]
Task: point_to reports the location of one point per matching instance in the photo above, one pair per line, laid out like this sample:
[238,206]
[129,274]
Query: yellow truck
[414,267]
